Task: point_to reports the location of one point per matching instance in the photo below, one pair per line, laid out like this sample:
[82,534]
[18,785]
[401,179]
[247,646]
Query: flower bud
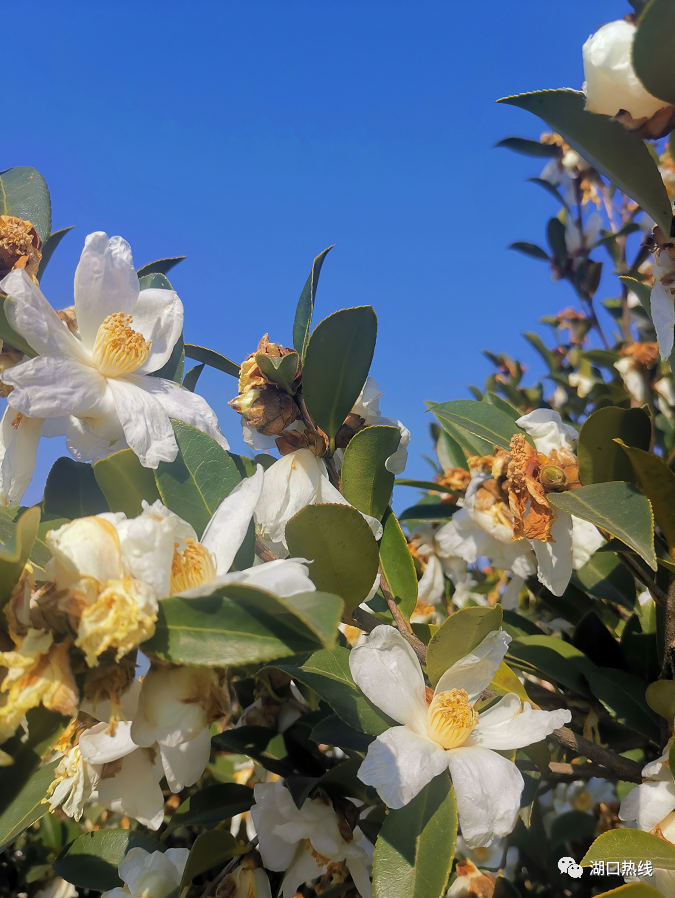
[19,246]
[292,440]
[267,410]
[471,882]
[553,479]
[351,426]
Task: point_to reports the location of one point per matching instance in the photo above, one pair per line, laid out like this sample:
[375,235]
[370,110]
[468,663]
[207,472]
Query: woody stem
[311,426]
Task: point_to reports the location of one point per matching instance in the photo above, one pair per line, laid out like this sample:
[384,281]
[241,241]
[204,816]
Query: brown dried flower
[19,246]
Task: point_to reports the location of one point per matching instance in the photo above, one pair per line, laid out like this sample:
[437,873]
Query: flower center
[119,350]
[451,718]
[194,566]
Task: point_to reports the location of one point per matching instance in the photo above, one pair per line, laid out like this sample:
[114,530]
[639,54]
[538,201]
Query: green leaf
[468,443]
[555,237]
[600,459]
[124,482]
[91,861]
[49,247]
[605,577]
[549,188]
[24,194]
[15,550]
[342,549]
[631,845]
[336,364]
[632,889]
[450,453]
[303,313]
[71,490]
[459,635]
[397,565]
[479,418]
[549,357]
[281,371]
[604,143]
[425,485]
[208,850]
[530,249]
[497,401]
[530,147]
[9,335]
[199,478]
[211,805]
[657,482]
[416,845]
[558,661]
[642,291]
[191,378]
[334,731]
[654,48]
[623,696]
[239,624]
[161,266]
[26,805]
[156,281]
[211,358]
[327,673]
[620,508]
[438,511]
[365,482]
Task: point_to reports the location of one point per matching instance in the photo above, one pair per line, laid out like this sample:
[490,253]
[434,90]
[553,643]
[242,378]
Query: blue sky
[249,136]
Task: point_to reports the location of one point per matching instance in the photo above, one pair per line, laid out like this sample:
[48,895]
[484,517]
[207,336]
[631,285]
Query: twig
[668,668]
[560,772]
[658,594]
[365,621]
[311,426]
[263,553]
[401,623]
[624,768]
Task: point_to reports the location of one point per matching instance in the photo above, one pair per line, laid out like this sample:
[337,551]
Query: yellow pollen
[119,350]
[451,718]
[194,566]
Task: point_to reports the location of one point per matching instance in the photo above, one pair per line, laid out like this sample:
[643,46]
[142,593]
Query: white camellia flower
[99,381]
[633,378]
[304,842]
[652,802]
[19,440]
[575,540]
[57,888]
[490,857]
[580,795]
[248,881]
[368,407]
[662,880]
[296,480]
[448,733]
[663,301]
[611,82]
[573,236]
[438,564]
[150,874]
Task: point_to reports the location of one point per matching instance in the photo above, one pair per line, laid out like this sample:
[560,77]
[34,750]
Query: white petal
[360,873]
[431,586]
[152,873]
[476,670]
[648,804]
[147,547]
[285,577]
[255,440]
[227,528]
[86,547]
[399,764]
[158,315]
[105,283]
[18,452]
[184,764]
[514,724]
[555,559]
[102,709]
[289,485]
[586,540]
[509,598]
[386,670]
[181,404]
[488,789]
[368,403]
[303,869]
[546,428]
[99,746]
[663,316]
[30,315]
[327,494]
[135,791]
[147,428]
[171,706]
[50,386]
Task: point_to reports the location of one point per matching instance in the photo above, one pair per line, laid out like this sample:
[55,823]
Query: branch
[261,550]
[401,623]
[660,597]
[623,768]
[311,426]
[668,669]
[559,772]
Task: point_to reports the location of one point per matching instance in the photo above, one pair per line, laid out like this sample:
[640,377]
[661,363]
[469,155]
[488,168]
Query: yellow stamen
[194,566]
[119,350]
[451,718]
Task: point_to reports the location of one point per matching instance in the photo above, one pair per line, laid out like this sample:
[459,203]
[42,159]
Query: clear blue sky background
[249,136]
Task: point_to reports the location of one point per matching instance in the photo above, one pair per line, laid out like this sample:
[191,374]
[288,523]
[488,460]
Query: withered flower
[292,440]
[19,246]
[267,409]
[351,426]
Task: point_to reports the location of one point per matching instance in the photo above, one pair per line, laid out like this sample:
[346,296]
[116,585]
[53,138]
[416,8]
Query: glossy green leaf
[462,632]
[416,845]
[505,681]
[623,696]
[15,550]
[302,324]
[191,378]
[530,147]
[71,490]
[657,482]
[334,731]
[530,249]
[208,850]
[125,483]
[24,194]
[600,459]
[327,673]
[450,452]
[549,188]
[604,143]
[365,482]
[49,247]
[336,364]
[341,547]
[556,660]
[619,508]
[605,577]
[9,335]
[199,478]
[239,624]
[437,511]
[550,358]
[426,485]
[281,371]
[468,442]
[154,281]
[633,889]
[26,805]
[654,49]
[397,565]
[211,358]
[91,861]
[211,805]
[160,266]
[492,399]
[481,419]
[631,845]
[642,291]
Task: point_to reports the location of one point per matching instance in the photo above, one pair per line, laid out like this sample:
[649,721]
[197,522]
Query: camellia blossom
[97,384]
[246,881]
[304,842]
[611,82]
[148,874]
[437,564]
[653,802]
[367,406]
[57,888]
[448,733]
[663,298]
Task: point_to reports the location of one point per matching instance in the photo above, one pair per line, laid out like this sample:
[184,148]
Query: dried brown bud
[69,318]
[250,375]
[351,426]
[553,479]
[649,127]
[292,440]
[19,246]
[267,410]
